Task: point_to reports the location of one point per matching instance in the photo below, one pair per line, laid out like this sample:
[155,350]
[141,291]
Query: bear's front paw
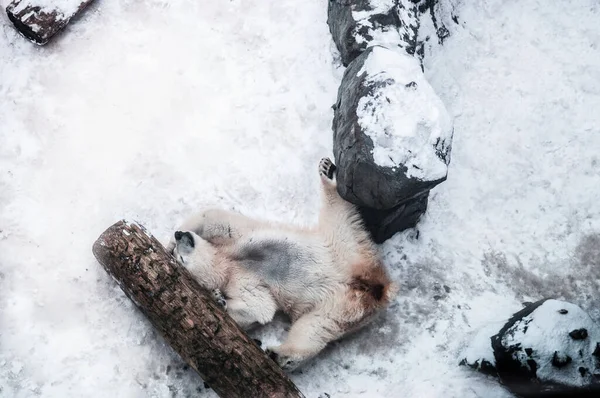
[219,298]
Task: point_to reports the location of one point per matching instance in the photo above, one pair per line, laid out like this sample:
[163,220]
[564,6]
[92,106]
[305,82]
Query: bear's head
[185,246]
[198,256]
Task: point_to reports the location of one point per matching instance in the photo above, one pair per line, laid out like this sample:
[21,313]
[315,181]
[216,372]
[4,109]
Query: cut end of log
[40,22]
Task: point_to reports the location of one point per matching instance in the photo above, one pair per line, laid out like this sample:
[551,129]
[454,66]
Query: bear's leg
[249,303]
[306,338]
[217,226]
[337,216]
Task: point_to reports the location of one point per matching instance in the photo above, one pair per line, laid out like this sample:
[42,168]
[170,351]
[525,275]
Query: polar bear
[328,279]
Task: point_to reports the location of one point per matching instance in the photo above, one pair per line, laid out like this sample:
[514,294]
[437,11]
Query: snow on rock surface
[358,24]
[406,120]
[64,8]
[479,354]
[392,134]
[41,20]
[549,346]
[151,110]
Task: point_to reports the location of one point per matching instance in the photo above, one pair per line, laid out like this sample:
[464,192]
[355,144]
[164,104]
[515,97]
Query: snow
[405,119]
[480,346]
[149,111]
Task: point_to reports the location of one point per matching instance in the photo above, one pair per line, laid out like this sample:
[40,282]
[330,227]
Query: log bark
[39,21]
[187,317]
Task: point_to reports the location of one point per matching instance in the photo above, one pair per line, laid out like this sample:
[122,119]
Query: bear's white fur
[329,279]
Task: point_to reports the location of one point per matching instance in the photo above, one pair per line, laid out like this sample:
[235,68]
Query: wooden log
[187,317]
[39,20]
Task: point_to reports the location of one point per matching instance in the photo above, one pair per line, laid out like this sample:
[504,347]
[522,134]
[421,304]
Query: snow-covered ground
[151,110]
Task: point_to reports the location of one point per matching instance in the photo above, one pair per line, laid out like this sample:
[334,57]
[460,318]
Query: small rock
[538,351]
[596,352]
[579,334]
[560,360]
[528,351]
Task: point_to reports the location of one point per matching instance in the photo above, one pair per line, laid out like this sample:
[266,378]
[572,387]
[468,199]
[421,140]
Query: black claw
[331,170]
[328,168]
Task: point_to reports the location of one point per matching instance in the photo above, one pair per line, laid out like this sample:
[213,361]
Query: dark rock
[481,365]
[559,360]
[383,224]
[40,21]
[390,146]
[356,25]
[543,328]
[528,351]
[579,334]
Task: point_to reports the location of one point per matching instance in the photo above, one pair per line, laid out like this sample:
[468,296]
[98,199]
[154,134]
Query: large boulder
[358,24]
[392,139]
[549,348]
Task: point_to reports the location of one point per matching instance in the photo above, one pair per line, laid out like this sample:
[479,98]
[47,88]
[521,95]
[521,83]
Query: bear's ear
[184,238]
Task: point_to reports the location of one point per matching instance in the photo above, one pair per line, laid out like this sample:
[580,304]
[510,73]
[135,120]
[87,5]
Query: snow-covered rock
[358,24]
[392,138]
[64,8]
[549,346]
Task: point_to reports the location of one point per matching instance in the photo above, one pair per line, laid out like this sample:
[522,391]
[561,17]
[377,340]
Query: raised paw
[219,298]
[327,169]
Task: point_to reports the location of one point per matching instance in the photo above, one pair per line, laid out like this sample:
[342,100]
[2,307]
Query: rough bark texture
[38,23]
[187,317]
